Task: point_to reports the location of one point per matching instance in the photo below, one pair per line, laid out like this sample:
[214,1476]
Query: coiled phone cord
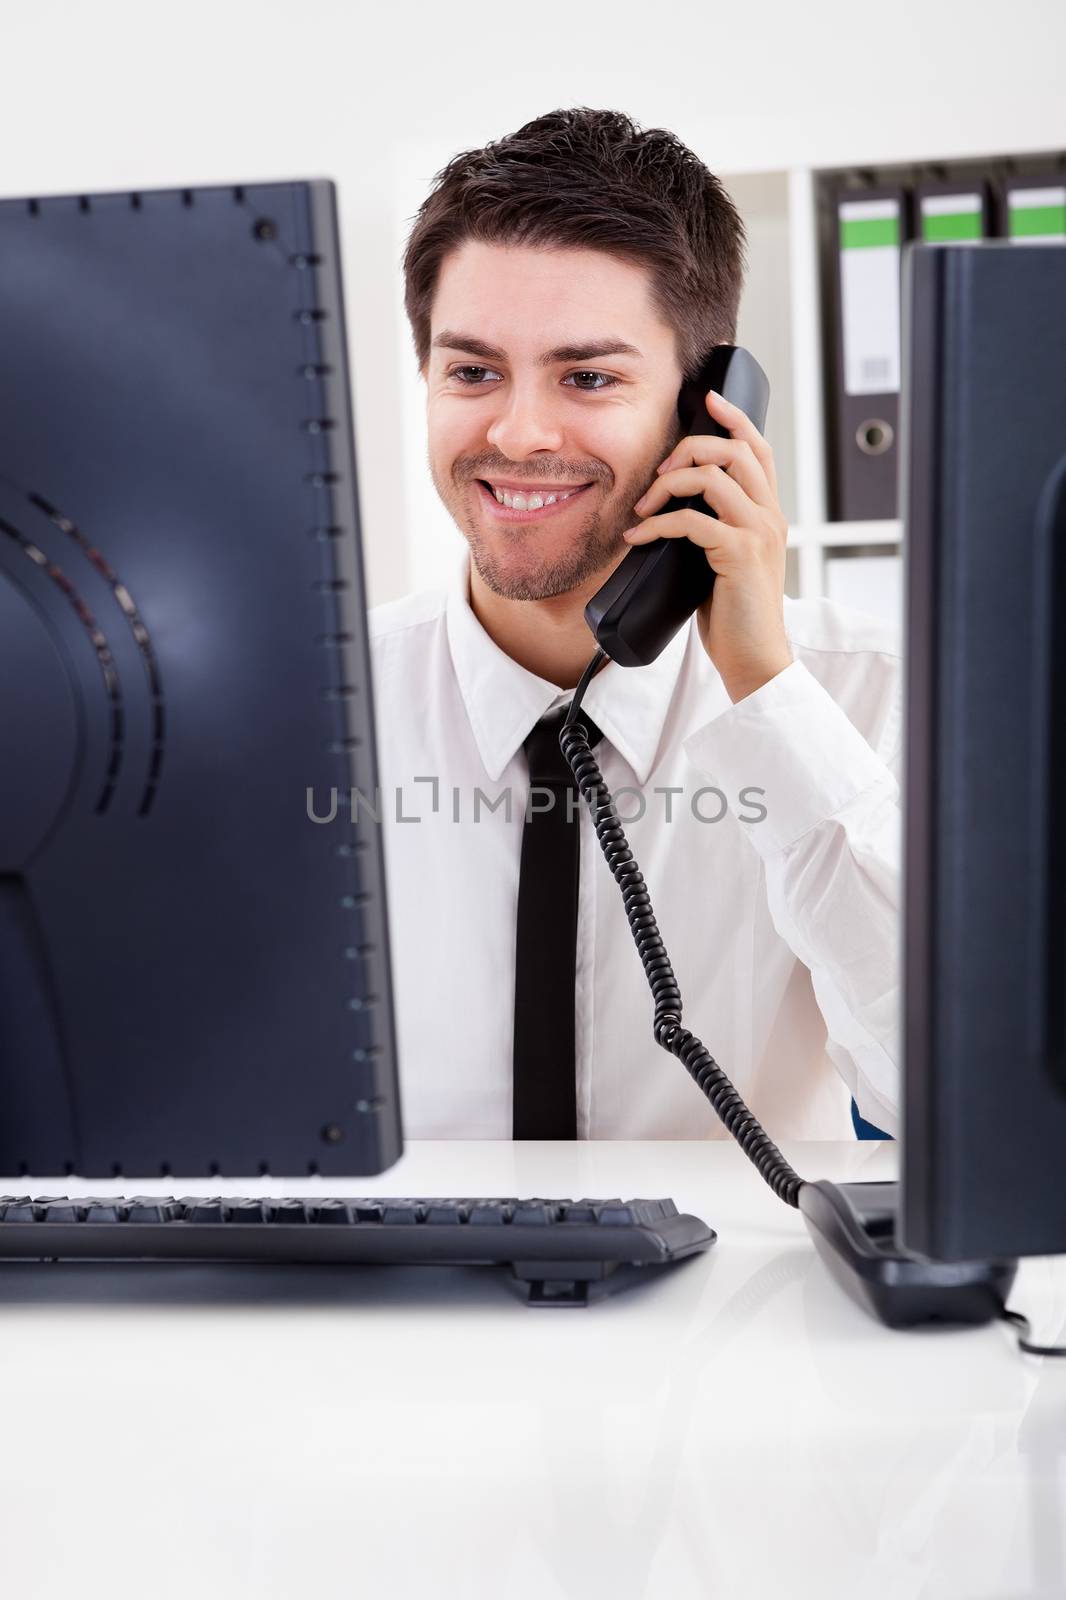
[669,1033]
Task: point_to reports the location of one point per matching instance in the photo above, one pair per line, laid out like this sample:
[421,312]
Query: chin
[516,579]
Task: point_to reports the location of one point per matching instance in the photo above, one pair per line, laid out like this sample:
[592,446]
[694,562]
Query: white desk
[736,1427]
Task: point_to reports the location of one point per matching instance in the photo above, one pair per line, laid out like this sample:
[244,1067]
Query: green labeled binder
[953,212]
[871,226]
[1036,212]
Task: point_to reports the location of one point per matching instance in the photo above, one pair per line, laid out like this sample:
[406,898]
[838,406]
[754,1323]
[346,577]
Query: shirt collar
[504,701]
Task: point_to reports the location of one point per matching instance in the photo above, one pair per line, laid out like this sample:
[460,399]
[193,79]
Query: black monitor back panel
[193,975]
[985,885]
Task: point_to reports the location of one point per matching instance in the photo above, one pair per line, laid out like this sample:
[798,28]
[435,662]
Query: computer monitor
[983,479]
[194,975]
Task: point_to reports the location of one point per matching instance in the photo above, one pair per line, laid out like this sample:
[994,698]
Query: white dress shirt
[782,928]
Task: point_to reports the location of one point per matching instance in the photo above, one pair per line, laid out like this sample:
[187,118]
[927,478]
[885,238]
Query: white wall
[103,94]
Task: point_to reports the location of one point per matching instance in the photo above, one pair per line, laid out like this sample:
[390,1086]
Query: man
[561,284]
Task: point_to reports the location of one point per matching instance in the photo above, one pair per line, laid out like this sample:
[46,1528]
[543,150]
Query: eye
[607,381]
[467,383]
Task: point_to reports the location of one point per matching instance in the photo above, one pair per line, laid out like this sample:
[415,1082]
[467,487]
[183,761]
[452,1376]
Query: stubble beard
[597,544]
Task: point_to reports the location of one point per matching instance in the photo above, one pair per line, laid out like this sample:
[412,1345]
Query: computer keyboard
[564,1251]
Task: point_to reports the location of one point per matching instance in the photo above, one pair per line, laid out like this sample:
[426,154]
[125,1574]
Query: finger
[741,426]
[735,458]
[726,498]
[708,532]
[702,446]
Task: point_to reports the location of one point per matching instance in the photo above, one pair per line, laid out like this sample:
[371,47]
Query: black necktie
[545,1092]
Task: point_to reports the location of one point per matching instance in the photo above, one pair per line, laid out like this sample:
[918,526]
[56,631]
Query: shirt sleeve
[830,842]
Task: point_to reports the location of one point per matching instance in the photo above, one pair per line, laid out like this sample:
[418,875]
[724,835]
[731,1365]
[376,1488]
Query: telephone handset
[657,586]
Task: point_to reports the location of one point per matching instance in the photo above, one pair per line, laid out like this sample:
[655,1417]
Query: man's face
[523,391]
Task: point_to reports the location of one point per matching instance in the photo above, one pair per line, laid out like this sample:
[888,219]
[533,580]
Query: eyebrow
[590,351]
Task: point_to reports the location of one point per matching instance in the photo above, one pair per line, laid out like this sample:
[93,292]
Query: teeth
[532,502]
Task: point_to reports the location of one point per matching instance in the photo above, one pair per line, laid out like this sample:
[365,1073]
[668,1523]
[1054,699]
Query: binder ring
[874,436]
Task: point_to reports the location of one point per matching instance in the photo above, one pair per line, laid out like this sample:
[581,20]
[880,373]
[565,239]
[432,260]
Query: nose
[526,421]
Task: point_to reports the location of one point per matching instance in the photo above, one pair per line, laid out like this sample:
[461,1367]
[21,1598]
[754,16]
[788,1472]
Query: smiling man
[561,284]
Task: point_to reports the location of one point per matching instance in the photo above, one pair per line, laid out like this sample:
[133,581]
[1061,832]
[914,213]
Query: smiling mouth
[550,502]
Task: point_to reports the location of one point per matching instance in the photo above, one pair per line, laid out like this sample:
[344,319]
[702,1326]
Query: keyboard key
[330,1211]
[153,1208]
[202,1208]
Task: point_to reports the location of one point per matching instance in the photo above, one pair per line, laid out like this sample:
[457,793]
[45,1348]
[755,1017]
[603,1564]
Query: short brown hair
[591,180]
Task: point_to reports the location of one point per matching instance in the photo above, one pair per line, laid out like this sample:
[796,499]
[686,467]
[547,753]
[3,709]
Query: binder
[1036,209]
[953,211]
[871,226]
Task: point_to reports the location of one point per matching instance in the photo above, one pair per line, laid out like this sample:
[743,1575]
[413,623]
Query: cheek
[449,435]
[619,442]
[633,453]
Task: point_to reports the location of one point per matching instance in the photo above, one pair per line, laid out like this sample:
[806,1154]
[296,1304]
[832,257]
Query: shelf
[825,558]
[824,535]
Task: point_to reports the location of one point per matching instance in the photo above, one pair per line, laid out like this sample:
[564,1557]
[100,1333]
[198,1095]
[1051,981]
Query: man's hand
[742,624]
